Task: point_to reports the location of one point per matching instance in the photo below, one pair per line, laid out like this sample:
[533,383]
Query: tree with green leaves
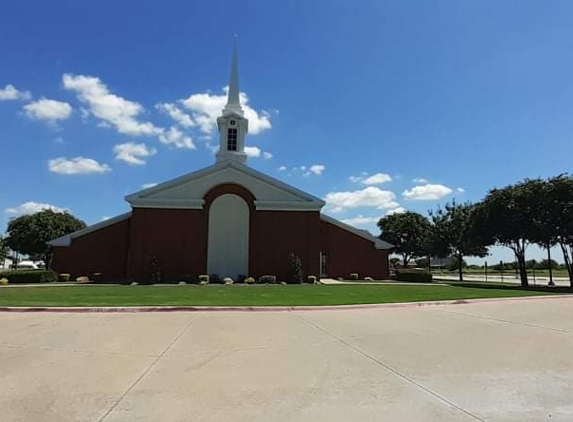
[408,232]
[557,218]
[506,217]
[29,234]
[4,249]
[451,231]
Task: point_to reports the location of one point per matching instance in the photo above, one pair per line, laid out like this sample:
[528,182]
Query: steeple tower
[232,124]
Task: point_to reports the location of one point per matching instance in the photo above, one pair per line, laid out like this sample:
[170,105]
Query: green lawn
[240,295]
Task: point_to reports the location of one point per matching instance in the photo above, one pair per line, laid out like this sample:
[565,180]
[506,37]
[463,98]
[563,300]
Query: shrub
[30,276]
[97,277]
[204,279]
[64,277]
[3,281]
[267,279]
[249,280]
[311,279]
[83,279]
[228,281]
[414,276]
[296,275]
[155,269]
[353,276]
[368,279]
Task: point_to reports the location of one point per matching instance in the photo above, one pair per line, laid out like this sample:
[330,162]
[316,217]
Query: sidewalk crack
[393,370]
[146,371]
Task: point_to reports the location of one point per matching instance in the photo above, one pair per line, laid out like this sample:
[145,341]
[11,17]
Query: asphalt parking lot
[494,360]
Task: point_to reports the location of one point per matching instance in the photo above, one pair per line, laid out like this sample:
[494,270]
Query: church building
[226,219]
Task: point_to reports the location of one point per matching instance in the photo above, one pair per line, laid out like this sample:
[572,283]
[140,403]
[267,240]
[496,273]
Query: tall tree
[3,249]
[451,227]
[558,217]
[408,232]
[506,217]
[29,234]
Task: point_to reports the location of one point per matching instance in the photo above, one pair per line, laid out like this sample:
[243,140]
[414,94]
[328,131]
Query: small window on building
[232,139]
[323,265]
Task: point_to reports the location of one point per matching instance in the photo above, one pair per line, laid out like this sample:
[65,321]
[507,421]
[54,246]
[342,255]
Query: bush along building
[226,219]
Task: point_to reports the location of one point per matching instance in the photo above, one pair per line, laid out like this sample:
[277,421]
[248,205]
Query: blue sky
[376,106]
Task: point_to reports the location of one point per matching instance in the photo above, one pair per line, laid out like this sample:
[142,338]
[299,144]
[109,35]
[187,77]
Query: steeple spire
[233,103]
[233,126]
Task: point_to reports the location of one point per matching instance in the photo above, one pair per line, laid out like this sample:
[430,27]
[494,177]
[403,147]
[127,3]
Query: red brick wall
[178,238]
[348,253]
[103,251]
[275,234]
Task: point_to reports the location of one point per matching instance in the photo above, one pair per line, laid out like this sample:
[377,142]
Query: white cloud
[49,110]
[397,210]
[461,190]
[377,179]
[133,153]
[370,196]
[33,207]
[360,220]
[111,109]
[9,92]
[77,165]
[420,180]
[176,114]
[317,169]
[428,192]
[206,107]
[148,185]
[174,137]
[282,168]
[255,152]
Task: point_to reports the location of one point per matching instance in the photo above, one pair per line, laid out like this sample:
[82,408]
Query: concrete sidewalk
[503,361]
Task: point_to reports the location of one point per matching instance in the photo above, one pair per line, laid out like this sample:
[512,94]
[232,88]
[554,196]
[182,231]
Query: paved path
[500,361]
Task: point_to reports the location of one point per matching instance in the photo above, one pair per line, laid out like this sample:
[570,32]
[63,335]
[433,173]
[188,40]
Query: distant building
[442,262]
[6,264]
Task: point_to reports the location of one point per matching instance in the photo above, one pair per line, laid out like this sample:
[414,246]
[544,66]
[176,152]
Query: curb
[141,309]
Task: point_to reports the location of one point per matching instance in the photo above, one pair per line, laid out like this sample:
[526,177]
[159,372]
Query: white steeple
[232,124]
[233,103]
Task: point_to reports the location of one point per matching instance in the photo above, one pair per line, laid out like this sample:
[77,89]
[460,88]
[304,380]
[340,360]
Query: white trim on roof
[301,201]
[378,243]
[67,239]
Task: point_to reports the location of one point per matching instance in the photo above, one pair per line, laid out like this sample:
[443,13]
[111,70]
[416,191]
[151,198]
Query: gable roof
[378,243]
[67,239]
[189,190]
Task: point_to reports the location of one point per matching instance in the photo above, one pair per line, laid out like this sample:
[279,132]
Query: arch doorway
[228,240]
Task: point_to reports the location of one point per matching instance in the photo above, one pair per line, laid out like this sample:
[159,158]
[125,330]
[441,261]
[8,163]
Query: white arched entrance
[228,247]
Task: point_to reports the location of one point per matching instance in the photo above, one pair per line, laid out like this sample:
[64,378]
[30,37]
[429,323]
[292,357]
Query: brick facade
[178,238]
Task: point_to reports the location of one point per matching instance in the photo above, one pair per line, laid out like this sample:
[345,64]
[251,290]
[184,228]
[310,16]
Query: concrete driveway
[505,361]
